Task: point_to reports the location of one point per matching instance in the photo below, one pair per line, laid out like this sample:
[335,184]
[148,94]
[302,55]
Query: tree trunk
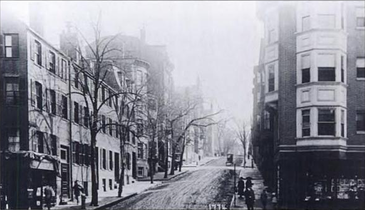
[172,170]
[166,157]
[151,160]
[94,181]
[121,179]
[182,155]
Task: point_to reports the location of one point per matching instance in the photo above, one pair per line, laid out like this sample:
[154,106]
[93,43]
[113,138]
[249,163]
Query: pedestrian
[249,182]
[78,189]
[274,201]
[48,193]
[250,198]
[241,187]
[263,198]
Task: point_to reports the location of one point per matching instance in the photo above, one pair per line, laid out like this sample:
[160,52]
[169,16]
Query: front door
[65,180]
[134,165]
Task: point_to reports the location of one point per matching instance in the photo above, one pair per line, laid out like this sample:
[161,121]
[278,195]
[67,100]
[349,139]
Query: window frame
[359,123]
[306,123]
[320,122]
[14,93]
[13,46]
[361,69]
[38,52]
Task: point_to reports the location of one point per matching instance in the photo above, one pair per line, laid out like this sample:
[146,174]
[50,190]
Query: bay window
[326,122]
[326,67]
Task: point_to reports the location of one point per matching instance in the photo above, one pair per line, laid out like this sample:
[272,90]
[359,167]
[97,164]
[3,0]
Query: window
[360,17]
[82,154]
[53,144]
[271,37]
[87,153]
[39,95]
[326,122]
[266,120]
[76,79]
[86,117]
[76,112]
[38,53]
[128,161]
[140,171]
[305,23]
[110,184]
[110,101]
[103,163]
[271,78]
[110,160]
[326,68]
[110,127]
[342,69]
[40,145]
[13,139]
[139,129]
[360,67]
[11,45]
[306,122]
[360,120]
[104,185]
[103,123]
[64,107]
[52,62]
[306,69]
[140,151]
[102,94]
[52,95]
[326,21]
[342,123]
[12,91]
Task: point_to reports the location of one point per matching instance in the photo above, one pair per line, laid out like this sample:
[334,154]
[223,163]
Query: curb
[165,179]
[116,201]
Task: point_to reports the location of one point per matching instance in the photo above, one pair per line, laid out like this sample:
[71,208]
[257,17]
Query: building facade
[309,101]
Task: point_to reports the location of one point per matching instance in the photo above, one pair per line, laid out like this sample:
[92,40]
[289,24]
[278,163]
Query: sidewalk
[202,162]
[159,176]
[110,197]
[258,187]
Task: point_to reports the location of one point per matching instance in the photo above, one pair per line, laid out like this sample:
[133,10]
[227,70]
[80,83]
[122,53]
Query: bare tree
[243,133]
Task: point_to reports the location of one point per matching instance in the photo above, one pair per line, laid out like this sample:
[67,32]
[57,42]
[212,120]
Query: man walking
[77,190]
[48,193]
[250,198]
[241,187]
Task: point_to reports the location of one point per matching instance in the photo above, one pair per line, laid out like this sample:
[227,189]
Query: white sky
[214,40]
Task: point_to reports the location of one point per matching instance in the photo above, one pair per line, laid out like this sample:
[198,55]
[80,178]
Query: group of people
[247,191]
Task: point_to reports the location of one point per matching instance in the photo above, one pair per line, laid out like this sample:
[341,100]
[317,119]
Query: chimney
[36,17]
[69,43]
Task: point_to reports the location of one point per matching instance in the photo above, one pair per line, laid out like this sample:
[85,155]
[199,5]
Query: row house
[309,102]
[45,135]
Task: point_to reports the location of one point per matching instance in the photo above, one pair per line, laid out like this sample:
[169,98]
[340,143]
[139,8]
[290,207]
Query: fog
[213,41]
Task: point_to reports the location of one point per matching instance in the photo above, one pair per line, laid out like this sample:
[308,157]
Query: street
[208,184]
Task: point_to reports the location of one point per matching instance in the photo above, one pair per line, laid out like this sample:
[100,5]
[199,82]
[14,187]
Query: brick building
[309,101]
[44,123]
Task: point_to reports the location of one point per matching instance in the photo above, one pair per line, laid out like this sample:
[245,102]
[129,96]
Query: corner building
[309,98]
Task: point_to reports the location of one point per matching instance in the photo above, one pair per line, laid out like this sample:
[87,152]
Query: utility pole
[234,187]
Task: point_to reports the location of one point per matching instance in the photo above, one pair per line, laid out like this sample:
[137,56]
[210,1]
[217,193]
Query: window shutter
[31,48]
[32,93]
[43,58]
[81,115]
[44,99]
[57,146]
[15,45]
[49,101]
[1,45]
[56,64]
[59,104]
[46,56]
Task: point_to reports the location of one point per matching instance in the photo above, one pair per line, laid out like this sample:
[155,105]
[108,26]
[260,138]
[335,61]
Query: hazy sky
[215,41]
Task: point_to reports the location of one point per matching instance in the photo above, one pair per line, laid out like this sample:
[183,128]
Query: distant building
[308,126]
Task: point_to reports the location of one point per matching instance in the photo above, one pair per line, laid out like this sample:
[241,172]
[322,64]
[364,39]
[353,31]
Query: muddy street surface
[211,183]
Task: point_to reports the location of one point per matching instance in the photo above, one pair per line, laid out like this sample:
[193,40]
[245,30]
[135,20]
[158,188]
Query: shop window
[360,17]
[360,68]
[305,23]
[38,52]
[360,120]
[39,95]
[11,45]
[110,160]
[52,62]
[13,135]
[326,122]
[271,78]
[12,91]
[306,122]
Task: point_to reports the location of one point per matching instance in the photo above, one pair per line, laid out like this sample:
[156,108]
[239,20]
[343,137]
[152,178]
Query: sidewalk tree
[243,133]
